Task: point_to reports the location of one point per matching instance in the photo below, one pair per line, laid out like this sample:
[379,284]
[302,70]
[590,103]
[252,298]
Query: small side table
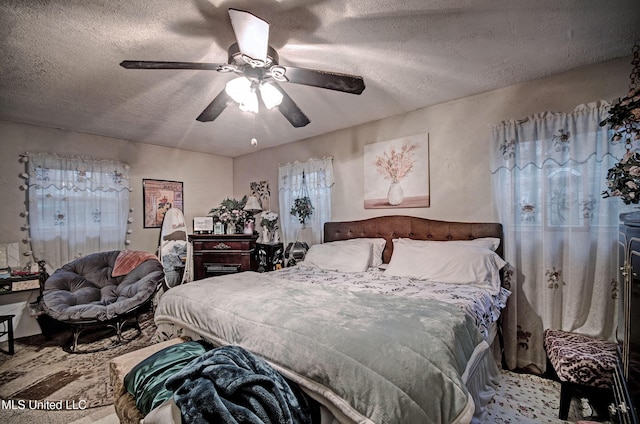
[269,256]
[7,321]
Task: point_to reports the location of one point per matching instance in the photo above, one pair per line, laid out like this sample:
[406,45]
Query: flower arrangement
[231,211]
[623,180]
[302,208]
[269,220]
[396,165]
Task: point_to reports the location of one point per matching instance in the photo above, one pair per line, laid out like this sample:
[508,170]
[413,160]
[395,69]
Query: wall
[459,134]
[207,178]
[458,131]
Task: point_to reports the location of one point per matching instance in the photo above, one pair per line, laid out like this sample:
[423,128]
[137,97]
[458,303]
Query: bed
[373,339]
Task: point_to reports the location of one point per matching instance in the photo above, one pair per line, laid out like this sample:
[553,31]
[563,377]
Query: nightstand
[219,254]
[269,256]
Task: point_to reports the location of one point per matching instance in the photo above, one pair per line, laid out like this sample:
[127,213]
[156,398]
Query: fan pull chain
[254,141]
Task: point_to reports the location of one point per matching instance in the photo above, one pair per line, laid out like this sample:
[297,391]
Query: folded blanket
[128,260]
[231,385]
[146,380]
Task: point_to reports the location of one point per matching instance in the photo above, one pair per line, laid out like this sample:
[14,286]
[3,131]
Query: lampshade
[271,96]
[243,92]
[252,205]
[237,88]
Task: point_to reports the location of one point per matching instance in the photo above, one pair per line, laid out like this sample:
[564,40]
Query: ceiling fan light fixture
[271,96]
[242,92]
[252,57]
[238,88]
[250,103]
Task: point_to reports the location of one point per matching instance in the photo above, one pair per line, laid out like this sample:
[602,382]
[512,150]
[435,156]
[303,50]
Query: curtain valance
[318,174]
[77,173]
[552,137]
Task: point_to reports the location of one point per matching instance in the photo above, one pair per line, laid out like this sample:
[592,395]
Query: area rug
[530,399]
[40,370]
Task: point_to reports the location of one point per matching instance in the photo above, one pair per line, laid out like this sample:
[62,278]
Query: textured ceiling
[61,58]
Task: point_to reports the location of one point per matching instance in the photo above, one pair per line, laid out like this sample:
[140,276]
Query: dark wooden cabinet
[628,334]
[270,256]
[215,254]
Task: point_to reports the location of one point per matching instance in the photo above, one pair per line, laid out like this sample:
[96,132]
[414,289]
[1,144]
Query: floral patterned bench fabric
[580,359]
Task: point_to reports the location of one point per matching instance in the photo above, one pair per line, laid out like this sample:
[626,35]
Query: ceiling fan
[259,72]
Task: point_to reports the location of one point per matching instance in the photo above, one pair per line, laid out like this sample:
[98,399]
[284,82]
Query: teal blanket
[372,358]
[146,381]
[230,385]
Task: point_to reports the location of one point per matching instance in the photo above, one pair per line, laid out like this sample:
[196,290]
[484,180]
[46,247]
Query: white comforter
[481,302]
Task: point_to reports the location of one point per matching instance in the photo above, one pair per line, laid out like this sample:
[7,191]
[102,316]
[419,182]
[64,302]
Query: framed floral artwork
[396,173]
[160,196]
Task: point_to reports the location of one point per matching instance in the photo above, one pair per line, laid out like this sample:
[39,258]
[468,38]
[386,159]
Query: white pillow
[344,257]
[445,262]
[485,242]
[377,245]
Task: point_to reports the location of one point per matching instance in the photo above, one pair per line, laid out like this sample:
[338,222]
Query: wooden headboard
[399,226]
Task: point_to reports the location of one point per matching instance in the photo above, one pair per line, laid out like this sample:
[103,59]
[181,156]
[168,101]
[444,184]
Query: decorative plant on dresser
[269,223]
[232,214]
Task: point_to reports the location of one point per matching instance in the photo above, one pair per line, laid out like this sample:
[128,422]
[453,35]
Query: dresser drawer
[222,245]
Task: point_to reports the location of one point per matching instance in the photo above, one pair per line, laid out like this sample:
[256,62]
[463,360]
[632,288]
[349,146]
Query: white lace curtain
[549,172]
[77,205]
[317,183]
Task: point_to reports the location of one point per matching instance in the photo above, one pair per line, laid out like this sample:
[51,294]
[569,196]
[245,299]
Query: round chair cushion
[85,290]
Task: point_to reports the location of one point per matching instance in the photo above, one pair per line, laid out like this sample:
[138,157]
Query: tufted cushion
[581,359]
[84,290]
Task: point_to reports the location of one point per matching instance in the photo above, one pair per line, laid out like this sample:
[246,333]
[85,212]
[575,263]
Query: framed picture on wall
[158,197]
[396,173]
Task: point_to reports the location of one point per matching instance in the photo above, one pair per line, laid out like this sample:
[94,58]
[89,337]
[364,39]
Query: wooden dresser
[215,254]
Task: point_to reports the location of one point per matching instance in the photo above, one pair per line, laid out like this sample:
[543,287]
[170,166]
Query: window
[77,206]
[316,184]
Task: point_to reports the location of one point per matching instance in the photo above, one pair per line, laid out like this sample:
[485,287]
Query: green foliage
[302,208]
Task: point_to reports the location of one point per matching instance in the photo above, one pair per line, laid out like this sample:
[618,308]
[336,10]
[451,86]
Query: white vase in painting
[395,194]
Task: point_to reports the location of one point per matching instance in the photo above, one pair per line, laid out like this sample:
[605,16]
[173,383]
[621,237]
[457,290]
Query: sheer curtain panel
[318,180]
[77,205]
[549,171]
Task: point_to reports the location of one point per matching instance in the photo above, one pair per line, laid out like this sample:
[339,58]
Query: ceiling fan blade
[252,34]
[215,108]
[291,111]
[331,80]
[147,64]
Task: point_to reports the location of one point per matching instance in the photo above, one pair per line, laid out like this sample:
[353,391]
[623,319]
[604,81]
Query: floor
[520,398]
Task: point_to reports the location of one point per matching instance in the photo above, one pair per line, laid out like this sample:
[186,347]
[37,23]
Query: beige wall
[459,134]
[207,178]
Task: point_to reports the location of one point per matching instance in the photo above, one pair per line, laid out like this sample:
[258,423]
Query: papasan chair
[105,289]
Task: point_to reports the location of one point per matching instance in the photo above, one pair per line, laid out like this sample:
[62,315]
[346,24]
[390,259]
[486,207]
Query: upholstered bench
[580,362]
[123,401]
